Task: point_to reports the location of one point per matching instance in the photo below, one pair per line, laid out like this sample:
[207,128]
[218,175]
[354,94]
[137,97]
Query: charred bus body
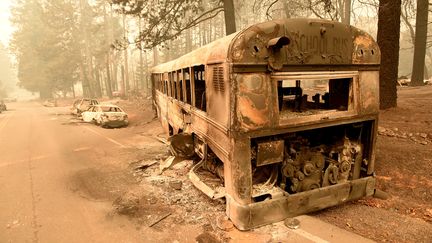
[284,112]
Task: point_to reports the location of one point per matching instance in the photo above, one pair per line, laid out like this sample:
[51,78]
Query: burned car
[50,103]
[81,105]
[106,115]
[284,113]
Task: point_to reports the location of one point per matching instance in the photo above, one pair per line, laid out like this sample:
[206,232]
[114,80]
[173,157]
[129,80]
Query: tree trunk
[155,56]
[286,9]
[87,92]
[417,76]
[98,87]
[107,24]
[388,41]
[230,23]
[113,69]
[108,78]
[141,68]
[188,40]
[73,90]
[126,68]
[347,12]
[86,57]
[123,81]
[115,74]
[146,82]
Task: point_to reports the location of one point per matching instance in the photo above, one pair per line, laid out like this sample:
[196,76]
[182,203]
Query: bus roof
[213,52]
[286,42]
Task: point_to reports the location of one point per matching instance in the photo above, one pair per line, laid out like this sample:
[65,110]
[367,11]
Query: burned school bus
[284,113]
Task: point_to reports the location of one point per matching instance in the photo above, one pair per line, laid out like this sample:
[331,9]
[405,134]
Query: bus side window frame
[161,83]
[201,77]
[187,95]
[167,82]
[180,85]
[177,78]
[172,83]
[192,80]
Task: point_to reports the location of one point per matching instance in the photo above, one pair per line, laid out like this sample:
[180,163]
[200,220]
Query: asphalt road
[40,150]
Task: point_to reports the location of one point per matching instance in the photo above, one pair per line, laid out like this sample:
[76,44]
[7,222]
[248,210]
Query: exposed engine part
[306,168]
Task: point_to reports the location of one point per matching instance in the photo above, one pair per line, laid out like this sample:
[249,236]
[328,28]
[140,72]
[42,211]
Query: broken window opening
[166,87]
[180,85]
[161,83]
[174,84]
[186,77]
[200,87]
[155,81]
[312,96]
[170,82]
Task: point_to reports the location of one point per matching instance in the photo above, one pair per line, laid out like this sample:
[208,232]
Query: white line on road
[81,149]
[109,139]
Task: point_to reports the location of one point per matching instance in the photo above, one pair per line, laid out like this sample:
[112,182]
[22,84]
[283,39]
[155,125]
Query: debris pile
[420,138]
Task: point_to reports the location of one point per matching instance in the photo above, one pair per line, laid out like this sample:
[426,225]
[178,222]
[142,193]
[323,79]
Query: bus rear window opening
[313,96]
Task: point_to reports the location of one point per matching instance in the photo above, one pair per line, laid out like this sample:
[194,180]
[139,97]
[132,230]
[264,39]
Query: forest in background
[96,48]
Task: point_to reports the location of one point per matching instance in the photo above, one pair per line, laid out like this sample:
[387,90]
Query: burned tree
[388,40]
[420,43]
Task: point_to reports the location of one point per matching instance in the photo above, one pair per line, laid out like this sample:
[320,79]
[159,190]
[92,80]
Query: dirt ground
[158,199]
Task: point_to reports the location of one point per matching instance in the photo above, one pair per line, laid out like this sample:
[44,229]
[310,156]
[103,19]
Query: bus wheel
[181,145]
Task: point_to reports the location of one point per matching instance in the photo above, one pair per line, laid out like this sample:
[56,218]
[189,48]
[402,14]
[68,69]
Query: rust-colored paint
[253,104]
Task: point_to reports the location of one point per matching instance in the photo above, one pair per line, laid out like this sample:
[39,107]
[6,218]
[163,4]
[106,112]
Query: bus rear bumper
[256,214]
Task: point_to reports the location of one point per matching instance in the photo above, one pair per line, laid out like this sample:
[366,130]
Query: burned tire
[181,145]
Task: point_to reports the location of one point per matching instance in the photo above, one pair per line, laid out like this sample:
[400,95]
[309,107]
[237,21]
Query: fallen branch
[162,218]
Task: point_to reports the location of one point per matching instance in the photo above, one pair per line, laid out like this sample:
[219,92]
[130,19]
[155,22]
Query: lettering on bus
[318,45]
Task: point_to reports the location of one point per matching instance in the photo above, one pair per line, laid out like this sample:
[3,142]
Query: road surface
[39,154]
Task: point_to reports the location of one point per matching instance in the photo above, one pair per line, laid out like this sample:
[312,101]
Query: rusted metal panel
[218,90]
[216,135]
[238,171]
[254,104]
[270,152]
[369,92]
[365,50]
[254,215]
[310,42]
